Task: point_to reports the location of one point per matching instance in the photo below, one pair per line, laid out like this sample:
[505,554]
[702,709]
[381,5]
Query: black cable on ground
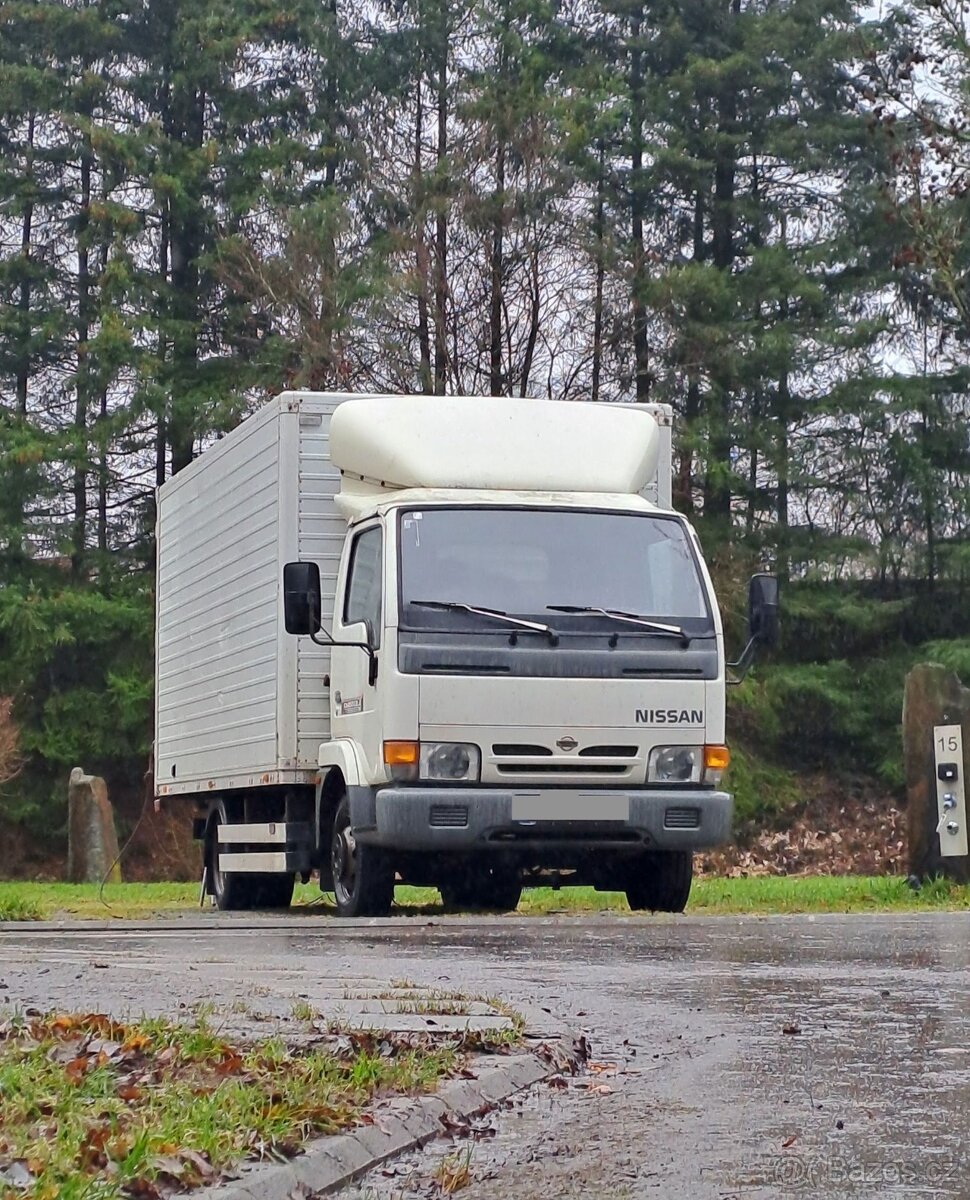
[149,780]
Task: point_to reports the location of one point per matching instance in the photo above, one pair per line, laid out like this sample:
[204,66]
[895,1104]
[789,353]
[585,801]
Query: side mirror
[763,609]
[301,597]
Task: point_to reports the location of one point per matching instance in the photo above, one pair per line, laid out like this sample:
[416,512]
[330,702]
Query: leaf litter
[90,1105]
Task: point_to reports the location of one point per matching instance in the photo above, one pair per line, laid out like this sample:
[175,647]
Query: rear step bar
[293,842]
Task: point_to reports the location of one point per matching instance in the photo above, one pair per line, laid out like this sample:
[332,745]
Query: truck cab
[527,685]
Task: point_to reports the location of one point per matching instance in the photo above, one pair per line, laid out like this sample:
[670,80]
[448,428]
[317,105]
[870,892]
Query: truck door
[358,617]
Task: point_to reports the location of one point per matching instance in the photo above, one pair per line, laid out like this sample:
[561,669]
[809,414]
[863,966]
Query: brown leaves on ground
[81,1044]
[848,828]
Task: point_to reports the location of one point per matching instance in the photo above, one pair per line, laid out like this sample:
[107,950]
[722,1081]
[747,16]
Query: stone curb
[333,1162]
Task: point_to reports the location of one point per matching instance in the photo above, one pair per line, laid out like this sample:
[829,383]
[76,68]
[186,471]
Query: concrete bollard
[936,709]
[92,841]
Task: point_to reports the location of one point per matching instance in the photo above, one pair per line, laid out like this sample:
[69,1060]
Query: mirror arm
[743,663]
[368,650]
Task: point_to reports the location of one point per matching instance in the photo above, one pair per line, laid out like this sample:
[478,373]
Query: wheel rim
[343,859]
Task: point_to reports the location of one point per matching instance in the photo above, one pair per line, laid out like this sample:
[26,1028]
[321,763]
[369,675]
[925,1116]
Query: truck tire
[245,891]
[491,889]
[661,881]
[363,876]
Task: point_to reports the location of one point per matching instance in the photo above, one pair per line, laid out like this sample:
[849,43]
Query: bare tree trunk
[185,244]
[24,297]
[717,487]
[441,218]
[83,375]
[330,171]
[784,404]
[752,512]
[535,299]
[22,382]
[161,430]
[641,348]
[421,248]
[684,483]
[599,233]
[495,375]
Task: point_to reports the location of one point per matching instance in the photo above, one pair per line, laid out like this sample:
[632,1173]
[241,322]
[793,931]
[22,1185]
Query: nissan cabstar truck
[457,642]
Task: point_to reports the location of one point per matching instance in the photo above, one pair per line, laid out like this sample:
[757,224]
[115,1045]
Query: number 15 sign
[951,795]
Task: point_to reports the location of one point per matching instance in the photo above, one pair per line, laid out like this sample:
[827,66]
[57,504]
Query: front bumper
[421,817]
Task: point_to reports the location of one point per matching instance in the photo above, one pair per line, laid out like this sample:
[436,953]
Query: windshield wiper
[494,613]
[618,615]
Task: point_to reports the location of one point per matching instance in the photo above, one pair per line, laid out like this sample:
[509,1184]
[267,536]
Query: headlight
[450,761]
[675,764]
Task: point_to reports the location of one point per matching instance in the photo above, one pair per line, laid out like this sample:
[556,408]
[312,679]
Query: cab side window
[363,599]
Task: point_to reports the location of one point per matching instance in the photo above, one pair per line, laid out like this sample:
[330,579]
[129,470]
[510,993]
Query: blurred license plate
[570,806]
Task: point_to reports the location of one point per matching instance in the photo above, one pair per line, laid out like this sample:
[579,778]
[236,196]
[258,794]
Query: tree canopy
[754,210]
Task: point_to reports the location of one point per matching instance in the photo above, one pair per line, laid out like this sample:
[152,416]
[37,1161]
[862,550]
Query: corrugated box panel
[321,537]
[216,671]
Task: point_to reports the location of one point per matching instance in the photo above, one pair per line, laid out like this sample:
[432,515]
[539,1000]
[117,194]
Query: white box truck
[461,642]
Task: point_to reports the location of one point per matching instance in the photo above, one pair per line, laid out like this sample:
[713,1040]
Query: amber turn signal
[716,758]
[400,754]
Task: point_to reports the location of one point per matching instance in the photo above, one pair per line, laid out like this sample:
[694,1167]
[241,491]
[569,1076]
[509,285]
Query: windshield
[531,562]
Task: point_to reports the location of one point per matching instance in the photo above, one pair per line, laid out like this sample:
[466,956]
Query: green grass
[41,901]
[763,894]
[15,906]
[93,1108]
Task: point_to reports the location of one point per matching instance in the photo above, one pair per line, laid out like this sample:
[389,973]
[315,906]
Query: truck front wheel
[660,881]
[363,876]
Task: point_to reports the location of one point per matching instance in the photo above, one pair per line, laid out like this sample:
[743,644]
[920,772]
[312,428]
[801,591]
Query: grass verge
[760,894]
[93,1108]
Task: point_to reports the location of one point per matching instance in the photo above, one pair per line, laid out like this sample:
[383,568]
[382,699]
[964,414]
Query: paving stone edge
[331,1163]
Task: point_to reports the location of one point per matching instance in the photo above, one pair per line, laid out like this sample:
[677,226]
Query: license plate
[570,806]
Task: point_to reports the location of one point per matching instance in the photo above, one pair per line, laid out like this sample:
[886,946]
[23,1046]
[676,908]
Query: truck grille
[682,818]
[570,768]
[448,816]
[534,761]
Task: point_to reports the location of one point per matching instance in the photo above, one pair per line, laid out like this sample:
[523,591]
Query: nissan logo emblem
[567,743]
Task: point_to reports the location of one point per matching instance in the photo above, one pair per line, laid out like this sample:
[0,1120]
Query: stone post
[92,840]
[934,696]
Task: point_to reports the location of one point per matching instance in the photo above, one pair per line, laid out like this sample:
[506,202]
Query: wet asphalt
[730,1057]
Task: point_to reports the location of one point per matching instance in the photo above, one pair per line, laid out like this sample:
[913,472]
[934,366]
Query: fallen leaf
[142,1189]
[229,1064]
[77,1068]
[789,1142]
[203,1168]
[64,1052]
[103,1046]
[91,1153]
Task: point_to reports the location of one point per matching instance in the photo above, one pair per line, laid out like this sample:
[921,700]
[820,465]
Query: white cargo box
[239,703]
